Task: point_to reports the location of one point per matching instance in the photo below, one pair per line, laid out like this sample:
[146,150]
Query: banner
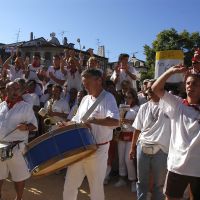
[165,60]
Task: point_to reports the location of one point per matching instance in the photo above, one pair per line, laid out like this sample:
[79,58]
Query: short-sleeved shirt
[124,76]
[131,114]
[154,125]
[106,108]
[57,73]
[21,112]
[184,150]
[73,81]
[13,73]
[60,106]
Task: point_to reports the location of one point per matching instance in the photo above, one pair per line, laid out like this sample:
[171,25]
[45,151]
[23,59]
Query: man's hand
[22,127]
[132,153]
[178,69]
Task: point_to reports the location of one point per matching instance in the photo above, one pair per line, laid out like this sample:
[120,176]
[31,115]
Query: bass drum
[59,148]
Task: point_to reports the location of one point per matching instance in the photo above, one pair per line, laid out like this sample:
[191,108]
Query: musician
[151,138]
[124,72]
[32,72]
[54,72]
[126,166]
[57,108]
[183,159]
[72,73]
[16,120]
[16,70]
[102,120]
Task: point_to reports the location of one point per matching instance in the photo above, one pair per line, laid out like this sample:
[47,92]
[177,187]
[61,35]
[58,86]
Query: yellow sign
[170,54]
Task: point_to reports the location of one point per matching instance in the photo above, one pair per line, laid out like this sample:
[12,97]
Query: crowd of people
[156,133]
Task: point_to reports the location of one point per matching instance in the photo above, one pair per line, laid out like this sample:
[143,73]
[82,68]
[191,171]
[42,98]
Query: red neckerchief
[10,104]
[35,65]
[196,107]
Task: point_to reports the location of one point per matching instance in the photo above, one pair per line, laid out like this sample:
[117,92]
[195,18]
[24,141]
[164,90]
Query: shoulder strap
[94,105]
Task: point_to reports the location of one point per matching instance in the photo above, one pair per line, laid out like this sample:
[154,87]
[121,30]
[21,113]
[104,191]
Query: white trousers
[126,166]
[94,167]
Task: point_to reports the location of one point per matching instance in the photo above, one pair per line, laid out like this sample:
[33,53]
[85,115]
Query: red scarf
[35,65]
[195,106]
[10,104]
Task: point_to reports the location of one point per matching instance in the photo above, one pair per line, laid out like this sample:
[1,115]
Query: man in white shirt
[54,73]
[57,108]
[124,72]
[72,73]
[16,70]
[102,120]
[16,120]
[152,136]
[183,160]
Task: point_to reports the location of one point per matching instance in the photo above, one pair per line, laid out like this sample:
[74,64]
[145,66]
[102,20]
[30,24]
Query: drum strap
[94,105]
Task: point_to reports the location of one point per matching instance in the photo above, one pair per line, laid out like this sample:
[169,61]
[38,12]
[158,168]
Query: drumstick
[9,133]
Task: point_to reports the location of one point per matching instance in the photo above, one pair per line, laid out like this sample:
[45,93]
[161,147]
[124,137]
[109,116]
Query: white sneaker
[120,183]
[133,186]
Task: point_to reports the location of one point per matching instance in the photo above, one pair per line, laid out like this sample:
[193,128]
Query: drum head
[62,162]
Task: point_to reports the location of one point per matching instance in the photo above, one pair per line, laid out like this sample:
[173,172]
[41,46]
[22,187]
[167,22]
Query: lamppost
[79,42]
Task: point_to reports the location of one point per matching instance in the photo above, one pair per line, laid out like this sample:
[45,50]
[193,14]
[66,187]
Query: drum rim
[93,148]
[49,134]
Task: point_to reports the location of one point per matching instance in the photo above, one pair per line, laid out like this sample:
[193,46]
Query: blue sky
[121,25]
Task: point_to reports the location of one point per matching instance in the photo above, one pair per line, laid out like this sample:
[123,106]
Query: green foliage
[170,40]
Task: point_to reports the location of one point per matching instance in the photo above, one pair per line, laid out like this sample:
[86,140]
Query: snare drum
[5,151]
[59,148]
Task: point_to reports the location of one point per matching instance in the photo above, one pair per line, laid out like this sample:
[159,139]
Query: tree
[170,40]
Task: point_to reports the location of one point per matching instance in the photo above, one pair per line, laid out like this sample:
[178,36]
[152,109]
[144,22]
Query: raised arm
[158,86]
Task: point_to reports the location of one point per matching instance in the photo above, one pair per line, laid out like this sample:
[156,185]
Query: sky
[122,26]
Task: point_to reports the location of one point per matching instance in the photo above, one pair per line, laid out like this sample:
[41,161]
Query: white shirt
[60,106]
[57,73]
[154,125]
[13,73]
[184,150]
[106,108]
[124,76]
[73,81]
[33,73]
[21,112]
[131,114]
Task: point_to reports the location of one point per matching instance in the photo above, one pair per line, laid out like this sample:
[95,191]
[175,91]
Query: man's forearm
[158,86]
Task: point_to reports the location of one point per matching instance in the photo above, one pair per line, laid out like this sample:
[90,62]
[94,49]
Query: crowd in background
[55,94]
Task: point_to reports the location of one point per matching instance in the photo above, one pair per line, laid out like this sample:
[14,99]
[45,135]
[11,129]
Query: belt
[100,144]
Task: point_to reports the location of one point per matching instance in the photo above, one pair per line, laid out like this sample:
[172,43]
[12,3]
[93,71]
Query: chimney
[31,36]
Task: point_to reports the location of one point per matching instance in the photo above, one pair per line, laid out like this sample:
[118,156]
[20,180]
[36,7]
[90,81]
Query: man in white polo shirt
[184,151]
[102,120]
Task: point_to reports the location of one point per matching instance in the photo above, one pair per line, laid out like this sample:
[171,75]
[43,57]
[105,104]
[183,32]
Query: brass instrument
[48,121]
[123,108]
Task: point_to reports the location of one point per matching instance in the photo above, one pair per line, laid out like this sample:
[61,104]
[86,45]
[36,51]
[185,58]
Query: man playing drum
[16,120]
[102,120]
